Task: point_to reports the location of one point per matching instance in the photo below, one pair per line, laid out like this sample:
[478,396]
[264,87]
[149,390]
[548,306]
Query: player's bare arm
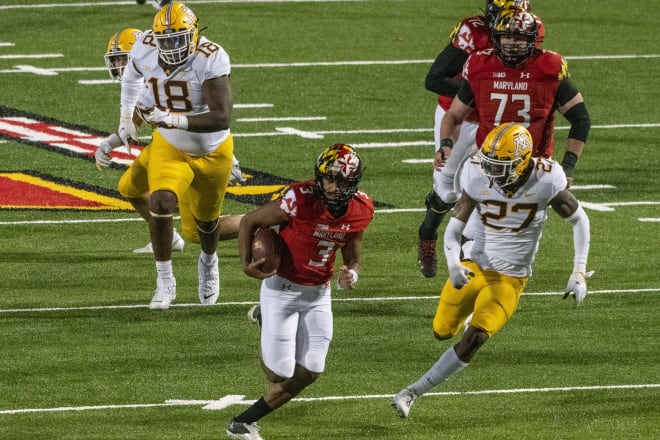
[450,129]
[464,207]
[348,272]
[565,204]
[218,96]
[571,105]
[269,214]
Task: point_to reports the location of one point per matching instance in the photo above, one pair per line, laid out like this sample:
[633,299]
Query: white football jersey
[510,227]
[181,91]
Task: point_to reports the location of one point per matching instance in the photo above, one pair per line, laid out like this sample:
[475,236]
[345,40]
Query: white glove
[577,285]
[458,275]
[102,155]
[106,146]
[127,131]
[159,118]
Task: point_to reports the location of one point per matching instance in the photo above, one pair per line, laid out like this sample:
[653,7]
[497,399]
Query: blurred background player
[316,218]
[116,58]
[511,192]
[471,34]
[155,3]
[192,146]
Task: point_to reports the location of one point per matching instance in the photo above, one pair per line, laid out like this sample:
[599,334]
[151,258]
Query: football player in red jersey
[517,82]
[316,218]
[471,34]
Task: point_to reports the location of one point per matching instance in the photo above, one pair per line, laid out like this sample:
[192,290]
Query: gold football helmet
[116,55]
[176,33]
[506,153]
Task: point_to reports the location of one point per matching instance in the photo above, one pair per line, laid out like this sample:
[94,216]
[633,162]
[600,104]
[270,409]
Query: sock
[428,230]
[436,210]
[208,259]
[164,272]
[448,365]
[258,410]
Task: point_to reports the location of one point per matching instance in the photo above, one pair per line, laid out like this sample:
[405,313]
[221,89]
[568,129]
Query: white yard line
[336,299]
[238,399]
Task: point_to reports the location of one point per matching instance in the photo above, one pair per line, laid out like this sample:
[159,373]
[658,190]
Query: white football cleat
[254,314]
[164,296]
[177,245]
[209,282]
[243,431]
[402,402]
[236,176]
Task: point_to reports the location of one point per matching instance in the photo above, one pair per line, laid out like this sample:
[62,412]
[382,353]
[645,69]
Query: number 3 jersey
[313,235]
[180,91]
[511,224]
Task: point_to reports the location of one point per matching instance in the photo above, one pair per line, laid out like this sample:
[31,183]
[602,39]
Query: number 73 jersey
[525,95]
[511,224]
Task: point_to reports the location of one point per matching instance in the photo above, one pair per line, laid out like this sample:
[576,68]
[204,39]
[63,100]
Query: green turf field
[83,357]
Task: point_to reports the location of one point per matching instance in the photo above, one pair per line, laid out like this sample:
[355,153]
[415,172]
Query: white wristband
[354,275]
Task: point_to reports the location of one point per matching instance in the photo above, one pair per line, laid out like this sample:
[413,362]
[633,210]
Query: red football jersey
[313,235]
[469,35]
[525,95]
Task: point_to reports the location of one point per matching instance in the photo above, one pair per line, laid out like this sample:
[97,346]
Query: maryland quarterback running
[511,191]
[316,219]
[192,147]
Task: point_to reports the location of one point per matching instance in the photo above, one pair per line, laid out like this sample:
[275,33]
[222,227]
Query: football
[269,245]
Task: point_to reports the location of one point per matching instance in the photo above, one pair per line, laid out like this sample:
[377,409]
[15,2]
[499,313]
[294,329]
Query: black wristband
[568,163]
[446,142]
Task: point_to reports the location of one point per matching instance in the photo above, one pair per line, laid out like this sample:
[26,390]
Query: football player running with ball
[191,151]
[315,218]
[511,192]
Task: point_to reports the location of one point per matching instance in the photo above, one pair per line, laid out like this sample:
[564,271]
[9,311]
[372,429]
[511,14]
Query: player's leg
[453,308]
[169,175]
[280,317]
[206,196]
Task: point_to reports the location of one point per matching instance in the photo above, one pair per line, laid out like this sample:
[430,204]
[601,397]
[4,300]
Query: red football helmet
[341,165]
[521,25]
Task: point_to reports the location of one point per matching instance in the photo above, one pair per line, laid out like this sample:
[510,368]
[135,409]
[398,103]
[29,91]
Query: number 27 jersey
[511,224]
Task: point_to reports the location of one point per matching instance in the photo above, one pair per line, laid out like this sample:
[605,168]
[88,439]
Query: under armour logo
[285,286]
[345,226]
[524,75]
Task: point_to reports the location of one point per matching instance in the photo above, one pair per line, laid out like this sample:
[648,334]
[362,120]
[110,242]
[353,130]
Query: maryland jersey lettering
[318,236]
[525,96]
